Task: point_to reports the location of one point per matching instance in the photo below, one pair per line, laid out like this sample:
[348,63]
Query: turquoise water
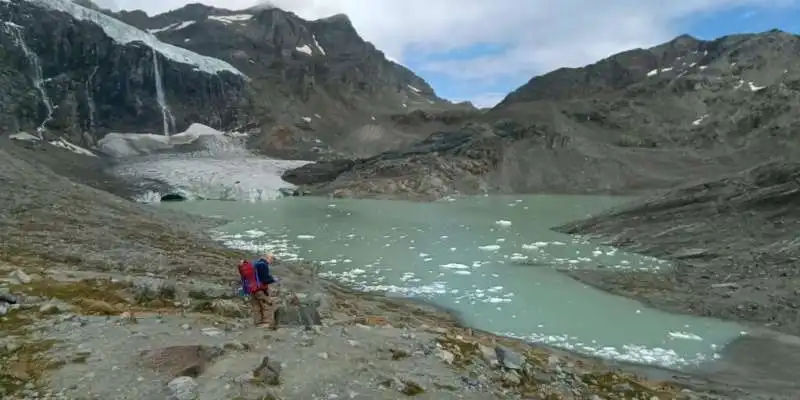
[493,259]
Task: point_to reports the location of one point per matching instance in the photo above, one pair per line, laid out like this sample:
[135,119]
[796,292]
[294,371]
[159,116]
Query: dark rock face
[733,239]
[313,80]
[318,77]
[96,85]
[318,172]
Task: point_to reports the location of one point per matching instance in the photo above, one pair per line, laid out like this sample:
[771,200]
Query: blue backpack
[262,271]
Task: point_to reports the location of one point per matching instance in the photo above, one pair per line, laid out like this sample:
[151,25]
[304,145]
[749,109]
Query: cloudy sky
[479,50]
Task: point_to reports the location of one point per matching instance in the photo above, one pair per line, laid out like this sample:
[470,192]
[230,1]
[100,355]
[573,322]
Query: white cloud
[538,35]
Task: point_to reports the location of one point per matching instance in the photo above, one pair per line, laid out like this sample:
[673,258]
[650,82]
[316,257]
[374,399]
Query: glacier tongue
[124,33]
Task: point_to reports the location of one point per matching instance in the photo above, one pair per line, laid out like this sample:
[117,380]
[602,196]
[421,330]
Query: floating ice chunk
[123,33]
[489,247]
[306,237]
[684,336]
[503,222]
[454,266]
[255,233]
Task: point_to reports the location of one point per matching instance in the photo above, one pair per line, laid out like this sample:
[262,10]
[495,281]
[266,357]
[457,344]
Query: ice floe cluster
[435,269]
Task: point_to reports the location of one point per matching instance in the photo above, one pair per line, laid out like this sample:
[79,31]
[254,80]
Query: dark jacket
[262,270]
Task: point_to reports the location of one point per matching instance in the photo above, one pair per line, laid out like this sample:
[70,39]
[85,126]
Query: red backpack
[247,272]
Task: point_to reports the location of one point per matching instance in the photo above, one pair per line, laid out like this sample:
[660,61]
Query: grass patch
[24,365]
[90,297]
[625,386]
[464,352]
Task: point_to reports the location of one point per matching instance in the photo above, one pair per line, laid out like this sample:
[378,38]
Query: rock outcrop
[733,240]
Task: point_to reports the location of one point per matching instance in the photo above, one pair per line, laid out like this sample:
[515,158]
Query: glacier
[123,33]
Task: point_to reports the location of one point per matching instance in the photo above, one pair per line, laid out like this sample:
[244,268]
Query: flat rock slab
[304,314]
[177,361]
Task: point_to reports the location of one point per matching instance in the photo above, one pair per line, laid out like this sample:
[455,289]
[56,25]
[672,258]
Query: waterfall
[38,80]
[166,114]
[90,99]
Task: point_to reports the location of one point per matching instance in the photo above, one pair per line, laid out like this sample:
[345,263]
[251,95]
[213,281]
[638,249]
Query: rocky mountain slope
[643,119]
[734,242]
[299,86]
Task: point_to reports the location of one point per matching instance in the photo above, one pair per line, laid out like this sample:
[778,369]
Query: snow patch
[62,143]
[173,27]
[305,49]
[123,33]
[25,136]
[184,24]
[316,43]
[699,120]
[229,19]
[414,89]
[754,87]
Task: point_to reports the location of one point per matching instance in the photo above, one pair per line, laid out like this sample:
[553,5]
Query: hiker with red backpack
[256,279]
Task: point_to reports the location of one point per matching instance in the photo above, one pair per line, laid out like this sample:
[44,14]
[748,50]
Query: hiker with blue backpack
[256,279]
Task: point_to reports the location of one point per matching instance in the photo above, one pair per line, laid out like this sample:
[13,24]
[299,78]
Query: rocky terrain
[303,89]
[734,243]
[640,120]
[105,298]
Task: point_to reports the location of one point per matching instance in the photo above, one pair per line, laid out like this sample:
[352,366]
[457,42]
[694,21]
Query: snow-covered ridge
[124,34]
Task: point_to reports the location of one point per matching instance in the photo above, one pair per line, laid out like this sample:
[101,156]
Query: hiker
[258,290]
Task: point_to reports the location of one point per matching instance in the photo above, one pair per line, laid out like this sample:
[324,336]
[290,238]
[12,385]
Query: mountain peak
[341,18]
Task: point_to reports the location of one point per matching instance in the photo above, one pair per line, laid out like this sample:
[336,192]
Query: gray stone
[19,277]
[268,372]
[509,358]
[182,388]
